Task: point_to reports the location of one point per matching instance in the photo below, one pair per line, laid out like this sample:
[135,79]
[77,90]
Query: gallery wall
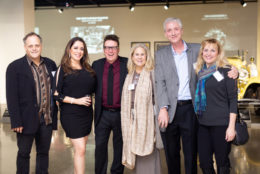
[233,25]
[16,19]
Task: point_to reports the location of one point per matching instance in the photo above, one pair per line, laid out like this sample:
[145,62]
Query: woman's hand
[230,134]
[85,101]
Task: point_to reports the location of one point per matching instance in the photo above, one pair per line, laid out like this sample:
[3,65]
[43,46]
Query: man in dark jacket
[32,110]
[111,72]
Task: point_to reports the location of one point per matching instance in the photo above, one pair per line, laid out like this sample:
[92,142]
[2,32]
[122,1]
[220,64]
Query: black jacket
[21,95]
[98,67]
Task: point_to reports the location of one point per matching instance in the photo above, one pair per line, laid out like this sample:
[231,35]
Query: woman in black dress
[74,86]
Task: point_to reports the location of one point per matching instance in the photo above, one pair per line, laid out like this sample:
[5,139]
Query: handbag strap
[238,119]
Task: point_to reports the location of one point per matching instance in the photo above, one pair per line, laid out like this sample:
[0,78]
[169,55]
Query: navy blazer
[21,95]
[98,67]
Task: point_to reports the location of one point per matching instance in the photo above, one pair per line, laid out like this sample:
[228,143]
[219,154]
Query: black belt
[112,109]
[183,102]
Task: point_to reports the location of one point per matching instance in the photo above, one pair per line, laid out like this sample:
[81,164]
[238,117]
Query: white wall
[145,24]
[13,27]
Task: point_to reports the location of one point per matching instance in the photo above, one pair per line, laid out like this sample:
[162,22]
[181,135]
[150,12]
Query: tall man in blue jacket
[32,110]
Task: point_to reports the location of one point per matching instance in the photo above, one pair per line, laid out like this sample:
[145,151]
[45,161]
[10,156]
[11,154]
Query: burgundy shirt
[116,85]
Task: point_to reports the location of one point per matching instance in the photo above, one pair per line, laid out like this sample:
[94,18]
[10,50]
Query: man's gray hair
[178,20]
[31,34]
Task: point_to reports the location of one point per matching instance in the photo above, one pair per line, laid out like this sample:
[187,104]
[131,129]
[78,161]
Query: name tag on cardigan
[155,110]
[131,87]
[53,73]
[218,76]
[195,65]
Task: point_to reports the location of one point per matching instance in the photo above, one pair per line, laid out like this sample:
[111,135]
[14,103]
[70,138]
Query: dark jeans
[184,126]
[211,139]
[24,142]
[109,121]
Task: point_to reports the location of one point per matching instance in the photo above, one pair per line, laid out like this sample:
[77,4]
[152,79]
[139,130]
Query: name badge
[131,87]
[53,73]
[218,76]
[195,65]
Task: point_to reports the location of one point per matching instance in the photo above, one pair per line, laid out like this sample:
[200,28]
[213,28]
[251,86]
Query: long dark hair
[84,61]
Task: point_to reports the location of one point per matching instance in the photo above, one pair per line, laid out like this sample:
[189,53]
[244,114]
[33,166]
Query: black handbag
[242,135]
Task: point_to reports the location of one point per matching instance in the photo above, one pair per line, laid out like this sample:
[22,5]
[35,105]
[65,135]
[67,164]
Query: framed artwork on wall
[147,43]
[159,44]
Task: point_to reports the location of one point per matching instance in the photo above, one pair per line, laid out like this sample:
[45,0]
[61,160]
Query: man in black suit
[111,72]
[32,110]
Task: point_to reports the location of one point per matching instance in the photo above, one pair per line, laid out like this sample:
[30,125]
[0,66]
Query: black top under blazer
[21,95]
[221,100]
[98,67]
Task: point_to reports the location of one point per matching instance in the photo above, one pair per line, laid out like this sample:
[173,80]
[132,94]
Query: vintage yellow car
[249,78]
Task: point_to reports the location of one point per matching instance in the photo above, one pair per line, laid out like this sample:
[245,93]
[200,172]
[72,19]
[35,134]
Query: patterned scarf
[138,132]
[200,95]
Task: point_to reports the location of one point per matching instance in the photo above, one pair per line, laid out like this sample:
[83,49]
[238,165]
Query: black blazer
[98,67]
[21,95]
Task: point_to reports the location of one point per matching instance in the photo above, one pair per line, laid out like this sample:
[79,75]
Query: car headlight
[243,74]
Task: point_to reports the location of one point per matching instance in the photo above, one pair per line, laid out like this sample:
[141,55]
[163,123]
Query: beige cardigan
[138,131]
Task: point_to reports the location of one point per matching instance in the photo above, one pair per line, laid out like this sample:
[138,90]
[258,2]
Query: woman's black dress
[76,120]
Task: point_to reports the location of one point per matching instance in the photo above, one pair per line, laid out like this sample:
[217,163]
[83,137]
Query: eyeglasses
[111,48]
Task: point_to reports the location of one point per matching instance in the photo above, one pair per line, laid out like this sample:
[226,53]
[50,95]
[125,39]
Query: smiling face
[173,32]
[77,51]
[111,51]
[139,58]
[210,54]
[33,47]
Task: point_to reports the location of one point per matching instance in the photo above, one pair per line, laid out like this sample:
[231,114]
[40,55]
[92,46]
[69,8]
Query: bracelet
[71,100]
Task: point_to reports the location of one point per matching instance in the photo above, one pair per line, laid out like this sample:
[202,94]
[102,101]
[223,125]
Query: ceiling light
[166,6]
[132,7]
[243,3]
[215,17]
[69,4]
[60,10]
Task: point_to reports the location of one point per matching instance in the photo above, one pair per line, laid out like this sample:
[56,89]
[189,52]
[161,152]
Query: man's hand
[18,129]
[233,73]
[163,118]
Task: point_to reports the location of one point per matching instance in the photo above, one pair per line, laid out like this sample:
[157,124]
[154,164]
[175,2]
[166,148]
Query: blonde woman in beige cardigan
[137,114]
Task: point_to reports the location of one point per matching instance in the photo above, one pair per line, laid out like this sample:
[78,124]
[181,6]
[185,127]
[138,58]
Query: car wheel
[258,93]
[250,93]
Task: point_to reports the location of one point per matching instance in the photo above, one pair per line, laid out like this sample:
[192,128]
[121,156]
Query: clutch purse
[242,135]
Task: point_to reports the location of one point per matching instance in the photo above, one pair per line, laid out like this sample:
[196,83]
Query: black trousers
[42,140]
[184,126]
[109,121]
[211,139]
